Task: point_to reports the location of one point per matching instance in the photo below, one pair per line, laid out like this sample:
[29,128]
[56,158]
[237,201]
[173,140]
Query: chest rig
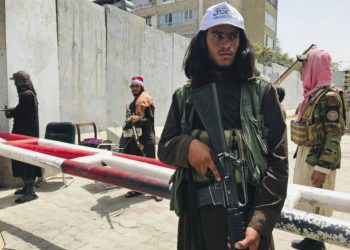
[248,143]
[310,129]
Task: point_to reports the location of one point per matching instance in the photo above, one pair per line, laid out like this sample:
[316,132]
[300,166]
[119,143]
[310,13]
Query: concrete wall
[3,69]
[292,84]
[31,44]
[82,61]
[28,40]
[134,48]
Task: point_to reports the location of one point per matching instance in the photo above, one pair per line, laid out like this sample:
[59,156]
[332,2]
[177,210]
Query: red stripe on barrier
[144,159]
[122,178]
[53,151]
[32,141]
[12,137]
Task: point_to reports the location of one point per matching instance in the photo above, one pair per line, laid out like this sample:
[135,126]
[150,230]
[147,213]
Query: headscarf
[317,74]
[23,83]
[144,100]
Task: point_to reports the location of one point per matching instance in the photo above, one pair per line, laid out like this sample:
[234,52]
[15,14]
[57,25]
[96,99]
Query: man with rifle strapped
[138,136]
[220,207]
[317,130]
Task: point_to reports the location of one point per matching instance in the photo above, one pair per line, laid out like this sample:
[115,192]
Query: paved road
[86,215]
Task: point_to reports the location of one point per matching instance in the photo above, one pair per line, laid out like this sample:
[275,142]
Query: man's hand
[200,158]
[8,112]
[318,178]
[251,240]
[134,118]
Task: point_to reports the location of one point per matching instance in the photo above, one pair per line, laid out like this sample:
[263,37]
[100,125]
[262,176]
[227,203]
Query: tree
[266,55]
[263,54]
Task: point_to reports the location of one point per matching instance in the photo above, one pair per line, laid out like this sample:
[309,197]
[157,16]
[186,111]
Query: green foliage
[335,66]
[263,55]
[266,56]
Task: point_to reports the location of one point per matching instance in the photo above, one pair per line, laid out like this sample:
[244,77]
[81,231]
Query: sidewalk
[86,215]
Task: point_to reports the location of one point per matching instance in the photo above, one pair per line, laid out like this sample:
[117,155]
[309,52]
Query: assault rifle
[232,170]
[129,124]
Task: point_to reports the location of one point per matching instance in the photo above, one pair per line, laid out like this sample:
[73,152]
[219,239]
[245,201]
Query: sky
[326,23]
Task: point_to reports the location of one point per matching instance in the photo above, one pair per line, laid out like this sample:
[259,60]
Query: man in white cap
[255,132]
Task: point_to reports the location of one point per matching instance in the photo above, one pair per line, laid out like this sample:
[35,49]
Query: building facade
[183,16]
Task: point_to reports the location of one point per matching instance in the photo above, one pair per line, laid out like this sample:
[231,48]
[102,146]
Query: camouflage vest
[321,127]
[310,129]
[251,140]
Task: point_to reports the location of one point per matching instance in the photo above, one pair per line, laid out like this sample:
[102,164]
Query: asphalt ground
[90,215]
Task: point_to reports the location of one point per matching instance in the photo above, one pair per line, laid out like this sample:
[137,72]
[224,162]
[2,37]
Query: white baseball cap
[221,13]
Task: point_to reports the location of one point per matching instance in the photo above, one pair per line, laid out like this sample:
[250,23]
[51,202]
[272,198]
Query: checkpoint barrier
[151,176]
[314,226]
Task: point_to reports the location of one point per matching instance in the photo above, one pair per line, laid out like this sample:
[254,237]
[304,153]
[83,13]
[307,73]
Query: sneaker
[26,198]
[23,190]
[308,244]
[157,199]
[132,194]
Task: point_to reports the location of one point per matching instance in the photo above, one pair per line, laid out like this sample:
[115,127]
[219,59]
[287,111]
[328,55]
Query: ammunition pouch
[305,134]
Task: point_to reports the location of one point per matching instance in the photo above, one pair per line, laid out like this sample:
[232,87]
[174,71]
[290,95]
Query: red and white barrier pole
[86,162]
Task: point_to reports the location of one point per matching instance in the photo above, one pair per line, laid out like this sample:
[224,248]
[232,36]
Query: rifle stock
[206,105]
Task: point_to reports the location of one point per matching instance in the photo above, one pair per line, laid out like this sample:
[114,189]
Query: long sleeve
[148,119]
[173,147]
[273,190]
[330,113]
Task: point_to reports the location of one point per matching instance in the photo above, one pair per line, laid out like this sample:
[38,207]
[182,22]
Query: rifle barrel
[291,68]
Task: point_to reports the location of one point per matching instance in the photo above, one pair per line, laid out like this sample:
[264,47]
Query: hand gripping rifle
[127,124]
[232,170]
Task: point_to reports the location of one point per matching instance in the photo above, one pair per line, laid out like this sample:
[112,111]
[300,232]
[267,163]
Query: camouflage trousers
[302,176]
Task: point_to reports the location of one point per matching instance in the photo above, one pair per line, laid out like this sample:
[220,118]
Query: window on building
[269,42]
[167,1]
[270,21]
[189,16]
[148,20]
[178,18]
[169,19]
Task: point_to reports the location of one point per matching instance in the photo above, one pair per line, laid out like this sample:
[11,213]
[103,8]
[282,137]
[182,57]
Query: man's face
[135,89]
[302,70]
[223,43]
